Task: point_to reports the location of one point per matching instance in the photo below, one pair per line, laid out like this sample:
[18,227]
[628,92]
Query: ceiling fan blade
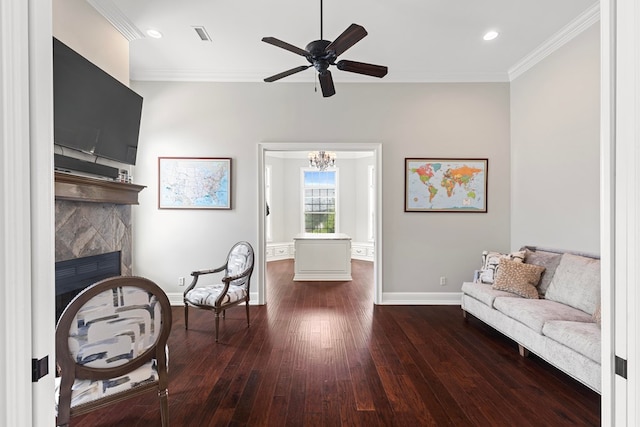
[348,38]
[284,45]
[326,84]
[286,73]
[362,68]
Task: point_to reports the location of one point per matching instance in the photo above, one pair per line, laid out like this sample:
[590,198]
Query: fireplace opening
[73,275]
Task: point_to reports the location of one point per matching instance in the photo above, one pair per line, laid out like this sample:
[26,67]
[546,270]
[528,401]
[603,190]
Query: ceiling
[419,40]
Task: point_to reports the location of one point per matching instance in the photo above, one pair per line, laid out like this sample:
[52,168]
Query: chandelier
[322,159]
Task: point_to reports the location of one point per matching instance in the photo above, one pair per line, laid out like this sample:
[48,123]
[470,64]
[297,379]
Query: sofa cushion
[490,261]
[549,260]
[582,337]
[576,282]
[518,278]
[484,293]
[597,315]
[534,313]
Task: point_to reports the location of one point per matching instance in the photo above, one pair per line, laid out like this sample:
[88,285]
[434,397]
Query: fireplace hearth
[73,275]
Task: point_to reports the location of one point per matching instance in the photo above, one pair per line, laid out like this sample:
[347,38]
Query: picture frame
[446,185]
[194,183]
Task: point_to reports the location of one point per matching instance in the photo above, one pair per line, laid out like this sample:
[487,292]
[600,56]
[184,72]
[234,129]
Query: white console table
[322,257]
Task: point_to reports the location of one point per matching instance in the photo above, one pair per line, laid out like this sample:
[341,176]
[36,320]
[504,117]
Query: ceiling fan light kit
[323,53]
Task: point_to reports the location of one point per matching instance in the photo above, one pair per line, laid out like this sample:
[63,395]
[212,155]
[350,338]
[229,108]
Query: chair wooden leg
[247,307]
[164,407]
[217,324]
[186,315]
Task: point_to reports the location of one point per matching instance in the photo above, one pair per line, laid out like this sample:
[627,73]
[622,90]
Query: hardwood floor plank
[321,354]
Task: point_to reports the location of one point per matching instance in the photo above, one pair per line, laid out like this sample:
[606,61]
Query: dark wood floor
[321,354]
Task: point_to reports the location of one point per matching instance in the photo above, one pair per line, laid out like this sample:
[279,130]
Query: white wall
[555,119]
[78,25]
[409,120]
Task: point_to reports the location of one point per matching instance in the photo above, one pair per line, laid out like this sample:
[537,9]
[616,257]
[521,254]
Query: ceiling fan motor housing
[318,56]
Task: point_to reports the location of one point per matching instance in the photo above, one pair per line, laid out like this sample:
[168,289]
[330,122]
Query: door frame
[263,149]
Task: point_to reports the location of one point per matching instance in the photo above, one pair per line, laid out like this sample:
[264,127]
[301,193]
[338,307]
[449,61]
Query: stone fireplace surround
[93,216]
[87,228]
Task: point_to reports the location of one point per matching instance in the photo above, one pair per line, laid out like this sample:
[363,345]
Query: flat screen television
[92,111]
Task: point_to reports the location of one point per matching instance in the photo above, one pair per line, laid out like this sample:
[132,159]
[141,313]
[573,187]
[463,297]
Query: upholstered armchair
[232,290]
[111,344]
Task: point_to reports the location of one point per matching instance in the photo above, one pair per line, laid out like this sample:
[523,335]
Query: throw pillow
[490,261]
[549,260]
[576,282]
[518,278]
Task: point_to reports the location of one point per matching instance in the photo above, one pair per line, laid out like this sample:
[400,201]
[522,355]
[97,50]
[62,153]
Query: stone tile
[84,229]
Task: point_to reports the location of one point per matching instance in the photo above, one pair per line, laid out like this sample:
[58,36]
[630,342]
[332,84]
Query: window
[267,198]
[320,200]
[371,211]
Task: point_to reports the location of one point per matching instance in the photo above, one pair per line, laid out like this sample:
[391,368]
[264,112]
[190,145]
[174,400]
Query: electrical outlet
[180,281]
[443,281]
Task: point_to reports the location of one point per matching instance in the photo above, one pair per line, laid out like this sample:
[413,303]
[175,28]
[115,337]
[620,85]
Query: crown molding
[566,34]
[120,22]
[186,75]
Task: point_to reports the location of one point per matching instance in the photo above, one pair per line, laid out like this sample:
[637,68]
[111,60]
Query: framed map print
[194,183]
[445,185]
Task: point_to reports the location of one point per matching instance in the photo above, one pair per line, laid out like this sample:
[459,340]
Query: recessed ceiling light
[490,35]
[154,33]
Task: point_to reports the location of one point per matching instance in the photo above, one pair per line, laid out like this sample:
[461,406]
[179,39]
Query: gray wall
[555,118]
[409,120]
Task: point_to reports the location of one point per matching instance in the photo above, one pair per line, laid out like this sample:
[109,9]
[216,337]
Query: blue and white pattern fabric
[111,329]
[239,260]
[207,295]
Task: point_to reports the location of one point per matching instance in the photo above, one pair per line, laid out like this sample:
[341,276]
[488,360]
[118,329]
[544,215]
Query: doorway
[282,149]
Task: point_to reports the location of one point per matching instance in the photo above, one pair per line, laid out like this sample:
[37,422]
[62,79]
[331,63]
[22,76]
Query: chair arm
[213,270]
[229,279]
[197,273]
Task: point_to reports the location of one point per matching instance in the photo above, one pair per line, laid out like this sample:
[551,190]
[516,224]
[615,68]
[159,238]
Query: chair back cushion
[240,259]
[112,338]
[114,327]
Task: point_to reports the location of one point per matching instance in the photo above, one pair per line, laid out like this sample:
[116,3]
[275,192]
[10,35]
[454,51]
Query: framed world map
[445,185]
[194,183]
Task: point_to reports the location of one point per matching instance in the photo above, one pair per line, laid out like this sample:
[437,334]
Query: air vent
[202,33]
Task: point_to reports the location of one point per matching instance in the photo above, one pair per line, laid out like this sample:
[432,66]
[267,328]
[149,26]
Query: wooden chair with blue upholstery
[232,290]
[111,345]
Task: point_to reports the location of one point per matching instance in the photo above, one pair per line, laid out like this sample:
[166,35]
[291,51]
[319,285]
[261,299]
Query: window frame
[302,196]
[267,197]
[371,203]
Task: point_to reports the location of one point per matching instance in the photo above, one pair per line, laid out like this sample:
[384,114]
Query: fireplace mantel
[87,189]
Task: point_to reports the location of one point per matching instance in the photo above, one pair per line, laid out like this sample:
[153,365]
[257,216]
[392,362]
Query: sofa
[547,301]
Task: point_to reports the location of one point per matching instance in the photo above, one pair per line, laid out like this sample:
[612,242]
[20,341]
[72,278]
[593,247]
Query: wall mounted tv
[92,111]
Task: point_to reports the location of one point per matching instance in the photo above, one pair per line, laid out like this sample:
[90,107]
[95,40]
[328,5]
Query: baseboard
[421,298]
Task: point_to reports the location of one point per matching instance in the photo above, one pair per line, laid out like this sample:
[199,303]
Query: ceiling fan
[323,53]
